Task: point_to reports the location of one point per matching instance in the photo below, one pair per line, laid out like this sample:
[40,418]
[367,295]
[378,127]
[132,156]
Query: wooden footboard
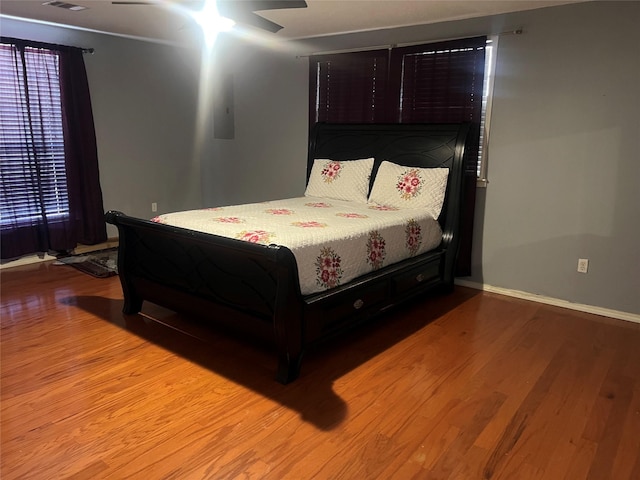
[254,289]
[243,286]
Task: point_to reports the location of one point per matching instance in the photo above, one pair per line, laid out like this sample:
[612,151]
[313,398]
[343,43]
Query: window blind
[32,155]
[441,83]
[349,88]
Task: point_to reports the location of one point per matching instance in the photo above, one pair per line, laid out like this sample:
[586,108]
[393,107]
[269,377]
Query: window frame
[491,54]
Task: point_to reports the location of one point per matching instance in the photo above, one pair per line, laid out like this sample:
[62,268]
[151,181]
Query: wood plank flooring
[466,386]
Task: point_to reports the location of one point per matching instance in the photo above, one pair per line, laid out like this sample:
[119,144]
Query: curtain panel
[81,153]
[49,182]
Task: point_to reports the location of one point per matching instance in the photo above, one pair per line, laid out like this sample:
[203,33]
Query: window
[31,142]
[50,195]
[441,82]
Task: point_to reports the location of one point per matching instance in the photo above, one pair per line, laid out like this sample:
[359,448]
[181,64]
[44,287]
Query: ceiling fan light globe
[211,22]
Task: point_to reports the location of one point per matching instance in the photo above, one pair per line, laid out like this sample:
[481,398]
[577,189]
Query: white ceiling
[163,22]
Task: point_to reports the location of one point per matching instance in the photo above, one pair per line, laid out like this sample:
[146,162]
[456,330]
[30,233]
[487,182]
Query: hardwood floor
[465,386]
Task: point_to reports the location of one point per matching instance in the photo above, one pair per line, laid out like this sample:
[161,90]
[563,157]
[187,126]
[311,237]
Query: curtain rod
[517,31]
[31,43]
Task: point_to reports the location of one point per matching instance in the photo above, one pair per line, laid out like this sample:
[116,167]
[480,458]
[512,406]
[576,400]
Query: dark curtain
[81,154]
[431,83]
[30,171]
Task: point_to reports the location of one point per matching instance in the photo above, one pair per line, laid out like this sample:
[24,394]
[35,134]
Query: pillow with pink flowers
[341,180]
[410,187]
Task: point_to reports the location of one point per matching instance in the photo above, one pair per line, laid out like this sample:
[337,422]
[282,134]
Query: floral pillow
[341,180]
[410,187]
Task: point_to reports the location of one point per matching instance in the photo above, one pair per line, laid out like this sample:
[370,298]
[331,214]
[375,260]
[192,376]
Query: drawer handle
[358,304]
[420,277]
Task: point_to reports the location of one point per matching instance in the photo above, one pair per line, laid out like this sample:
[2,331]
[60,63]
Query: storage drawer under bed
[330,316]
[416,277]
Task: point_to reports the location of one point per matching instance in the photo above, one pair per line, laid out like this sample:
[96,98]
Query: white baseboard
[80,249]
[29,259]
[605,312]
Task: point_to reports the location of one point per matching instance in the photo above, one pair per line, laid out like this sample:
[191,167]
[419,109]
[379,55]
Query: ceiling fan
[240,11]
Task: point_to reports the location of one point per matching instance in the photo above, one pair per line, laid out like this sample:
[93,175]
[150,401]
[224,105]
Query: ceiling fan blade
[252,19]
[243,11]
[258,5]
[250,5]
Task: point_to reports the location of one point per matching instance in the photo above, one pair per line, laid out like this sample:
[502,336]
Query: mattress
[333,241]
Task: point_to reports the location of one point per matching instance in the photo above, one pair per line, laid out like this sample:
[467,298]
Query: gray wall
[564,150]
[143,97]
[564,164]
[565,158]
[266,159]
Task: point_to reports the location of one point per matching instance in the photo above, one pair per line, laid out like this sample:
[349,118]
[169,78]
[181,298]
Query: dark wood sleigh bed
[254,288]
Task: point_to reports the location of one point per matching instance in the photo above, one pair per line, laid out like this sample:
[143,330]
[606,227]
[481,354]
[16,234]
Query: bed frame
[254,288]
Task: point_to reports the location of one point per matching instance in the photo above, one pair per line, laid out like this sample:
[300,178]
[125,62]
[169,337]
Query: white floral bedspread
[333,241]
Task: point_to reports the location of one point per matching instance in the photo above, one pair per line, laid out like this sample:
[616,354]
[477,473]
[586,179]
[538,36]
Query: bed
[255,285]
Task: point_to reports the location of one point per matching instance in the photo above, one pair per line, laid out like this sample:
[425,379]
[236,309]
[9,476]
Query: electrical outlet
[154,207]
[583,265]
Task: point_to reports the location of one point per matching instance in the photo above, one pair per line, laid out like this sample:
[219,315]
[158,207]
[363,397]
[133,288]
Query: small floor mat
[101,264]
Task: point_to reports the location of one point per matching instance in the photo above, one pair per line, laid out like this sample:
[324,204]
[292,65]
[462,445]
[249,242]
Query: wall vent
[66,6]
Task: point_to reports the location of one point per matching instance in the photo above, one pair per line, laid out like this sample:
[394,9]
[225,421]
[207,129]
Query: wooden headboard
[414,145]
